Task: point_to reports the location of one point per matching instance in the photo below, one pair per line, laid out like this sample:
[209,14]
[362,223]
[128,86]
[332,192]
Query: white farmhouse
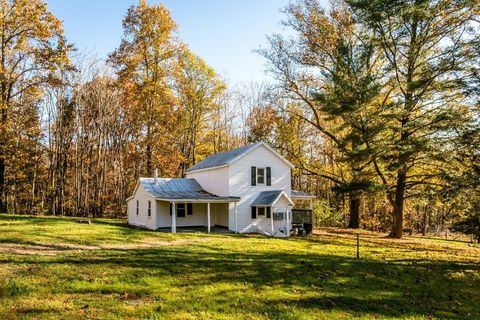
[245,190]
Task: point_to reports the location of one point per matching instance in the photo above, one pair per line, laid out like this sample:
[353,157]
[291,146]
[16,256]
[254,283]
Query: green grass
[54,268]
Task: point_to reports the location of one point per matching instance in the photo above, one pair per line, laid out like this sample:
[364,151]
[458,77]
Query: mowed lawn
[55,268]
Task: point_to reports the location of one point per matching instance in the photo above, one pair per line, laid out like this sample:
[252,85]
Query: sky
[223,32]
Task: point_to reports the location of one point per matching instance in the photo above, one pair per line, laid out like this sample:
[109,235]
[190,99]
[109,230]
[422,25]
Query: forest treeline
[375,102]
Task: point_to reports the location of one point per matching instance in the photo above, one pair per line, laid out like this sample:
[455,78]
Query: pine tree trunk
[397,226]
[355,203]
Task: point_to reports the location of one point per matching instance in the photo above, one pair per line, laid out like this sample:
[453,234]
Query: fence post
[358,246]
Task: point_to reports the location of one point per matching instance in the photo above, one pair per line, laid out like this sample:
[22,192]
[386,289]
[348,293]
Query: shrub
[325,216]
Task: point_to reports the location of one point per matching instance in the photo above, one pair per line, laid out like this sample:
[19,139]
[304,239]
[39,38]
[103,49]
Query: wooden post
[236,216]
[358,246]
[271,218]
[288,224]
[174,218]
[208,217]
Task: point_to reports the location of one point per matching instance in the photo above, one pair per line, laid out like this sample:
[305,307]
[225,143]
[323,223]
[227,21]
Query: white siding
[199,217]
[240,185]
[212,180]
[164,219]
[281,206]
[220,212]
[142,219]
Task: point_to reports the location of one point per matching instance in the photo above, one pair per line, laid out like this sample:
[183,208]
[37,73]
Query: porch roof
[301,195]
[181,189]
[268,198]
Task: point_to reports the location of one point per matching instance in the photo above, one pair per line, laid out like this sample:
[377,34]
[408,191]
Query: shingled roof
[268,198]
[301,194]
[223,158]
[179,189]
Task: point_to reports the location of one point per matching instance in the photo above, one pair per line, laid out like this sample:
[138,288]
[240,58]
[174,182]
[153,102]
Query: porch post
[235,215]
[208,217]
[271,218]
[174,218]
[311,204]
[288,225]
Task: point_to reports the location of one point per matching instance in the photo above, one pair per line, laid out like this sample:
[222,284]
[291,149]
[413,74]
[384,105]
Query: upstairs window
[138,207]
[260,175]
[149,212]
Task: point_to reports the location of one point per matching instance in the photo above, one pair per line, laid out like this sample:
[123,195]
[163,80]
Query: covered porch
[212,214]
[182,202]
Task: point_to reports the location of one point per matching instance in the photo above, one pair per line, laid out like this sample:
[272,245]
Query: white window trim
[264,176]
[149,209]
[137,207]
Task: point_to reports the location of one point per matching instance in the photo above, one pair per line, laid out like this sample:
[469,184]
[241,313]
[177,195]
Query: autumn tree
[32,52]
[198,89]
[428,48]
[100,142]
[146,62]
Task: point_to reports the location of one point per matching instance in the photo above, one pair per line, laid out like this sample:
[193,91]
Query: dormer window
[260,175]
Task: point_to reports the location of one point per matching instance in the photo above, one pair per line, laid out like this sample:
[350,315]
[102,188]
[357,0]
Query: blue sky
[224,32]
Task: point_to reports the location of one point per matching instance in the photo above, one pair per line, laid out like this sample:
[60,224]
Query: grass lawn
[54,268]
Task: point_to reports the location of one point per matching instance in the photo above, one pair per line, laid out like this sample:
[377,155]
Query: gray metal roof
[222,158]
[301,194]
[179,189]
[266,198]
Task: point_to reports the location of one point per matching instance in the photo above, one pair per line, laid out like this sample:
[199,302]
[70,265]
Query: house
[245,190]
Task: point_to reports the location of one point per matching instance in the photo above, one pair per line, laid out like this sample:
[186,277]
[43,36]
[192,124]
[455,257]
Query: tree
[198,89]
[427,46]
[331,69]
[146,64]
[462,177]
[32,52]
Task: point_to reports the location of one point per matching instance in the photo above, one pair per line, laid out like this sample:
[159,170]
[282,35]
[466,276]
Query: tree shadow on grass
[277,282]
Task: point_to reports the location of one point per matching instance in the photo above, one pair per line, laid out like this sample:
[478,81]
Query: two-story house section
[246,190]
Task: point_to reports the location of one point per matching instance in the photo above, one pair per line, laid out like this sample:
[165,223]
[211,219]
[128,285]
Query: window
[138,207]
[181,210]
[261,211]
[149,212]
[260,175]
[278,216]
